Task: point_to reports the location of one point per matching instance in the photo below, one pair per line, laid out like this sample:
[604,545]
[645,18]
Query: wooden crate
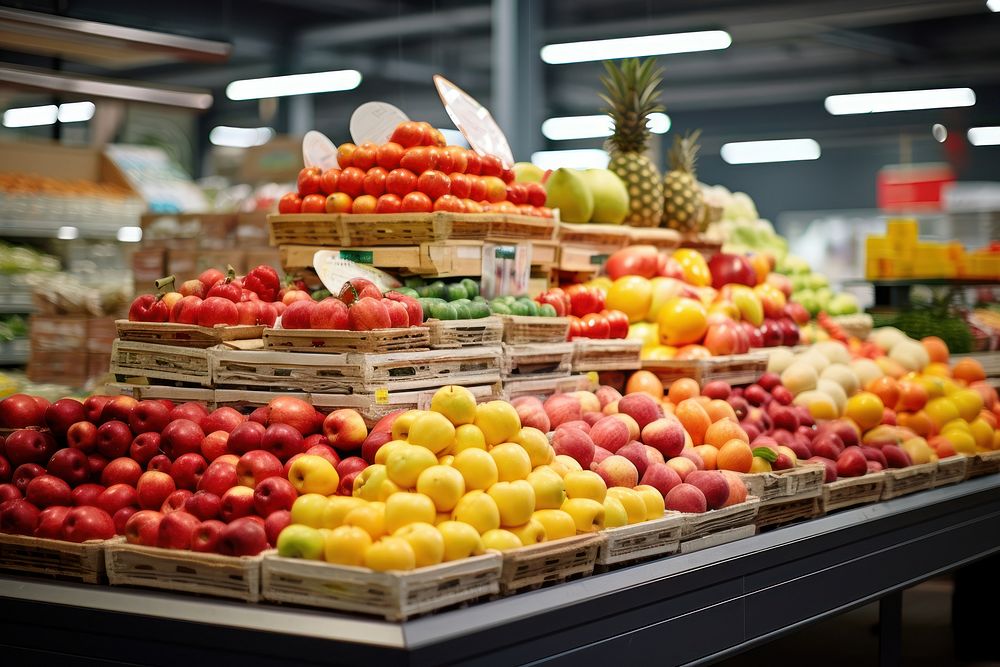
[640,541]
[982,463]
[702,244]
[536,360]
[902,481]
[442,258]
[187,571]
[734,368]
[398,229]
[544,255]
[714,539]
[603,237]
[335,341]
[549,562]
[184,335]
[519,329]
[546,387]
[395,596]
[465,333]
[851,491]
[801,481]
[780,511]
[54,558]
[713,521]
[162,363]
[619,354]
[143,392]
[663,239]
[511,227]
[951,470]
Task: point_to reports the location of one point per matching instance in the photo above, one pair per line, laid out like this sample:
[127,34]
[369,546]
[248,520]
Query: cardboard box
[62,162]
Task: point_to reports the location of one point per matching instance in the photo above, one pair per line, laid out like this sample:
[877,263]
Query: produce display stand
[735,369]
[616,354]
[704,605]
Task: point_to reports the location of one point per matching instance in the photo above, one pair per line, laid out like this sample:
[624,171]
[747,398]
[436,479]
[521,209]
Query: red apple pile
[360,306]
[414,172]
[166,475]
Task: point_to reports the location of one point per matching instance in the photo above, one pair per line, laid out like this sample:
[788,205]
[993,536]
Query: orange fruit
[936,348]
[912,396]
[969,370]
[692,352]
[963,442]
[645,382]
[682,389]
[988,393]
[988,417]
[761,266]
[996,439]
[708,454]
[890,367]
[941,411]
[734,455]
[681,321]
[694,419]
[942,446]
[886,388]
[918,422]
[719,409]
[737,488]
[866,409]
[968,402]
[724,430]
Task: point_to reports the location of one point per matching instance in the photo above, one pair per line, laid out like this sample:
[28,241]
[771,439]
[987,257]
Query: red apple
[256,466]
[48,490]
[368,314]
[574,443]
[222,419]
[175,530]
[144,447]
[214,445]
[260,415]
[218,478]
[114,438]
[191,410]
[187,470]
[176,501]
[374,441]
[9,492]
[205,538]
[21,411]
[87,494]
[69,464]
[345,429]
[93,406]
[24,473]
[160,463]
[153,488]
[204,505]
[330,313]
[149,417]
[295,412]
[117,496]
[273,494]
[87,523]
[275,523]
[62,414]
[18,517]
[82,435]
[28,446]
[246,437]
[237,502]
[181,436]
[122,470]
[50,522]
[346,486]
[349,465]
[143,528]
[121,518]
[118,408]
[97,463]
[282,440]
[731,269]
[242,537]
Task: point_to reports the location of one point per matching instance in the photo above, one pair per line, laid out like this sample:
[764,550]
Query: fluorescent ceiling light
[294,84]
[903,100]
[240,137]
[780,150]
[993,5]
[585,127]
[584,158]
[30,116]
[634,47]
[75,112]
[130,234]
[985,136]
[67,233]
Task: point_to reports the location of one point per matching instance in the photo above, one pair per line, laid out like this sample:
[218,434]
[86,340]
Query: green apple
[568,192]
[611,199]
[299,541]
[525,172]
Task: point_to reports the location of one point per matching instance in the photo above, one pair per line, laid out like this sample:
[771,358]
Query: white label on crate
[374,122]
[319,151]
[474,121]
[334,271]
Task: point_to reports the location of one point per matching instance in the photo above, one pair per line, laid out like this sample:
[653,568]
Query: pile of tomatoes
[588,318]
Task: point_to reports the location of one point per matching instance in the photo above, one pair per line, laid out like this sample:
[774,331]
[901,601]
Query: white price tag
[474,121]
[374,122]
[319,151]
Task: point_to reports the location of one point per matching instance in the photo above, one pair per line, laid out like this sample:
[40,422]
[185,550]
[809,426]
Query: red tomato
[475,163]
[345,153]
[407,134]
[290,203]
[364,204]
[308,181]
[491,166]
[314,204]
[517,193]
[387,156]
[506,207]
[374,183]
[472,206]
[364,156]
[339,202]
[596,326]
[555,300]
[449,203]
[477,188]
[576,328]
[417,160]
[507,176]
[436,137]
[618,321]
[445,161]
[461,185]
[459,158]
[434,183]
[352,181]
[388,203]
[427,133]
[583,301]
[328,181]
[417,202]
[401,182]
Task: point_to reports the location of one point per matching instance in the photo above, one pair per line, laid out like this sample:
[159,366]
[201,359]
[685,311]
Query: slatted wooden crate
[724,518]
[714,539]
[184,335]
[851,491]
[640,541]
[701,243]
[951,470]
[602,237]
[803,481]
[511,227]
[395,596]
[620,354]
[465,333]
[544,254]
[440,258]
[735,369]
[532,567]
[187,571]
[983,463]
[162,363]
[781,511]
[664,239]
[534,360]
[546,387]
[54,558]
[518,329]
[335,341]
[142,392]
[903,481]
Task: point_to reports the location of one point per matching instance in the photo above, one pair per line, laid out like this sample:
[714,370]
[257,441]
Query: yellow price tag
[594,377]
[382,396]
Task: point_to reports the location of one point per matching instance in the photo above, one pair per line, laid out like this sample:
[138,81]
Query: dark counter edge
[687,609]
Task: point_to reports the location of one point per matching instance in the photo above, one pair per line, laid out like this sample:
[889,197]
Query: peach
[666,435]
[599,455]
[641,407]
[562,408]
[713,484]
[661,477]
[684,466]
[694,457]
[618,471]
[737,488]
[685,498]
[636,453]
[653,454]
[707,454]
[633,426]
[610,433]
[575,444]
[607,394]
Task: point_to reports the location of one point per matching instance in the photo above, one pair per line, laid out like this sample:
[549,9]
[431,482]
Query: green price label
[505,252]
[598,260]
[358,256]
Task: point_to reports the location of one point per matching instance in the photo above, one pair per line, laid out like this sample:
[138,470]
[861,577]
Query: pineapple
[684,202]
[633,92]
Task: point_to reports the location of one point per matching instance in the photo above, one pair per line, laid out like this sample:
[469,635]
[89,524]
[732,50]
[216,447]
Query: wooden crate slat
[335,341]
[518,329]
[902,481]
[620,354]
[465,333]
[537,360]
[724,518]
[543,388]
[189,365]
[54,558]
[511,227]
[951,470]
[851,491]
[647,539]
[799,481]
[734,369]
[549,562]
[786,510]
[714,539]
[982,463]
[185,335]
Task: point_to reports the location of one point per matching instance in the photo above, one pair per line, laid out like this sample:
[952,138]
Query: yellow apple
[404,508]
[442,484]
[568,462]
[633,503]
[456,403]
[388,448]
[405,464]
[557,524]
[387,488]
[308,510]
[615,515]
[501,540]
[587,513]
[346,545]
[313,474]
[585,484]
[433,431]
[498,421]
[588,400]
[390,553]
[368,484]
[468,436]
[550,491]
[370,517]
[401,425]
[460,540]
[515,501]
[917,448]
[477,467]
[532,532]
[442,517]
[479,510]
[536,444]
[512,461]
[337,508]
[653,499]
[446,460]
[426,541]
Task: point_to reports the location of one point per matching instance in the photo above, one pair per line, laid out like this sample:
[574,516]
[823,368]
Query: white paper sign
[333,271]
[319,151]
[474,121]
[374,122]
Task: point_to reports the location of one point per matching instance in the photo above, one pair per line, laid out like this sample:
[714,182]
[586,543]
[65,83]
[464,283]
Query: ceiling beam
[447,21]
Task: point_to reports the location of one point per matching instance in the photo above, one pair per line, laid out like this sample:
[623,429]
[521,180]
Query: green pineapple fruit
[633,92]
[684,202]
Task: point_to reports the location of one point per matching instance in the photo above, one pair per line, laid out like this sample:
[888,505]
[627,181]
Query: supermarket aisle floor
[852,638]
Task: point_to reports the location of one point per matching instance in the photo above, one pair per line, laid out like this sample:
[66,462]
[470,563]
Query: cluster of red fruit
[174,476]
[588,318]
[360,306]
[414,172]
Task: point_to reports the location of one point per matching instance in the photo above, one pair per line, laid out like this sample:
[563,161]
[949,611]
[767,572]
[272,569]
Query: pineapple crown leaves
[684,152]
[632,92]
